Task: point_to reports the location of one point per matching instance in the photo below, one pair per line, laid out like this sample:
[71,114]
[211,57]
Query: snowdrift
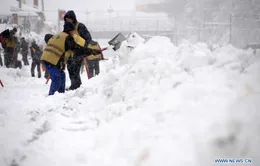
[156,104]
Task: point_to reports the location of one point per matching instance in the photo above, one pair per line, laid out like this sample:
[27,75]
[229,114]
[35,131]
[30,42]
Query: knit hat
[47,37]
[15,29]
[68,26]
[5,33]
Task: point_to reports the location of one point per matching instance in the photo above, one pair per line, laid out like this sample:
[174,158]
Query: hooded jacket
[5,33]
[3,37]
[81,29]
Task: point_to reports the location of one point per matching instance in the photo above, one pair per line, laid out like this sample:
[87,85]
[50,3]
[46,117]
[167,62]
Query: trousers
[58,78]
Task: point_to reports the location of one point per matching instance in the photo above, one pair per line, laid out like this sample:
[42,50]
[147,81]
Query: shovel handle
[47,80]
[86,66]
[103,49]
[1,83]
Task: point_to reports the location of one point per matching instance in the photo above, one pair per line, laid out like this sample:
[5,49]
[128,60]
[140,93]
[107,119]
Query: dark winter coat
[5,34]
[24,47]
[36,52]
[81,29]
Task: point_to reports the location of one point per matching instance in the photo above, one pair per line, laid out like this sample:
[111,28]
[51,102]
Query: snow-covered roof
[25,13]
[10,7]
[29,8]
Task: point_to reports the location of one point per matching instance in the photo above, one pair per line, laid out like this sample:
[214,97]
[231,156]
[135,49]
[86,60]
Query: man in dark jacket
[24,51]
[74,63]
[36,54]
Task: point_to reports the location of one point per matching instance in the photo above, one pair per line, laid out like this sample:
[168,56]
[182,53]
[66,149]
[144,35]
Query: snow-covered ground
[155,105]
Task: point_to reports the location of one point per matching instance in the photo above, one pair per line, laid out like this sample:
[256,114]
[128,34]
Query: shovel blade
[117,41]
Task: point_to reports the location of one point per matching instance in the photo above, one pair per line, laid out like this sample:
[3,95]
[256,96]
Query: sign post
[61,14]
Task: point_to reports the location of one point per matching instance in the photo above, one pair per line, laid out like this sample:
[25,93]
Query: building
[25,14]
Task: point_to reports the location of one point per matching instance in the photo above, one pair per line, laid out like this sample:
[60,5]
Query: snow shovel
[1,83]
[115,42]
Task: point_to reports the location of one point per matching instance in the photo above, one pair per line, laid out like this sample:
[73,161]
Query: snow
[7,5]
[154,104]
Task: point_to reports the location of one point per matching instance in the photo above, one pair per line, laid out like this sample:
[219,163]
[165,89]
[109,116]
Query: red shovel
[1,83]
[47,80]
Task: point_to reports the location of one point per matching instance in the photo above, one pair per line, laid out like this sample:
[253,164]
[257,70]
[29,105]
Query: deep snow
[154,105]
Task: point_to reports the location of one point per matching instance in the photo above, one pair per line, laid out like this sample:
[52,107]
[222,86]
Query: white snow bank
[165,105]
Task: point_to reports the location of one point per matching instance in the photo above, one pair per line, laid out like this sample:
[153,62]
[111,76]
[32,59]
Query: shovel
[1,83]
[115,42]
[48,79]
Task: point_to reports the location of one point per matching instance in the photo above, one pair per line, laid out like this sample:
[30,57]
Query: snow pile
[133,39]
[164,105]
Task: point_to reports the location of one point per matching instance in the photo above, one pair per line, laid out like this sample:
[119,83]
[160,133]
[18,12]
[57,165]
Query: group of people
[65,49]
[69,48]
[13,45]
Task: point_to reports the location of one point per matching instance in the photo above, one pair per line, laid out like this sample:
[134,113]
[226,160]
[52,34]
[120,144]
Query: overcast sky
[97,8]
[90,4]
[81,6]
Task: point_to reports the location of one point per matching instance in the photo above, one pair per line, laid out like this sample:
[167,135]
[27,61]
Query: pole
[110,10]
[58,20]
[1,83]
[20,4]
[230,28]
[176,39]
[157,26]
[43,5]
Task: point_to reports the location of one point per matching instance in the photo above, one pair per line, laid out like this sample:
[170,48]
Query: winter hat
[15,29]
[47,37]
[68,26]
[5,33]
[70,14]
